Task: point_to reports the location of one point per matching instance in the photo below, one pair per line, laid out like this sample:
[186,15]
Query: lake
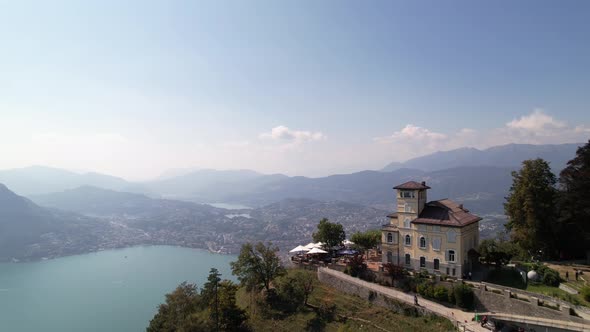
[114,290]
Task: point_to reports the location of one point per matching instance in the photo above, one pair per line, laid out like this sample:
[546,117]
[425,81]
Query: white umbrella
[347,242]
[317,251]
[310,246]
[299,249]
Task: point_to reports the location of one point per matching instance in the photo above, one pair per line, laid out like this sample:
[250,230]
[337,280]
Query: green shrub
[464,297]
[551,277]
[426,289]
[441,293]
[585,293]
[452,296]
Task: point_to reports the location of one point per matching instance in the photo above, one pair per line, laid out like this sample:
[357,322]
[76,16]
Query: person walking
[567,275]
[415,299]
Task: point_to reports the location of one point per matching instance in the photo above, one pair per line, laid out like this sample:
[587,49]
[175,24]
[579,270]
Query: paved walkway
[460,318]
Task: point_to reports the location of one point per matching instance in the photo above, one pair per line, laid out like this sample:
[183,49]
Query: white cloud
[534,128]
[284,134]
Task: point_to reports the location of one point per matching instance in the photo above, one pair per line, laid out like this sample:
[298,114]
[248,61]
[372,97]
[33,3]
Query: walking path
[460,318]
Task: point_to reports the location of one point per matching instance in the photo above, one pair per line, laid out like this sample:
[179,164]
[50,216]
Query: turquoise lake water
[115,290]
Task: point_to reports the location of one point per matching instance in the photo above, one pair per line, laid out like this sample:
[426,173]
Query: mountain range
[509,156]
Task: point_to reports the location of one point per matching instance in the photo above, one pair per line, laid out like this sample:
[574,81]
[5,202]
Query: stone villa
[439,236]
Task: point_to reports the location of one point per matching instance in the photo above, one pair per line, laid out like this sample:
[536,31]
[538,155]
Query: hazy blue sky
[133,88]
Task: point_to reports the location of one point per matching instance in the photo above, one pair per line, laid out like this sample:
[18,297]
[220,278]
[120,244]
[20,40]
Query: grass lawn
[558,293]
[363,316]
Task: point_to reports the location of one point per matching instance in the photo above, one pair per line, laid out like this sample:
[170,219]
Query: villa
[440,237]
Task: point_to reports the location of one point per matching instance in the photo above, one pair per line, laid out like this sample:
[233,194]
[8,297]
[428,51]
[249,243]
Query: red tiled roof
[446,213]
[412,185]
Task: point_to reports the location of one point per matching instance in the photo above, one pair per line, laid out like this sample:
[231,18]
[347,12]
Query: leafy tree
[290,293]
[356,266]
[179,312]
[366,240]
[394,271]
[574,203]
[257,266]
[495,252]
[331,234]
[530,207]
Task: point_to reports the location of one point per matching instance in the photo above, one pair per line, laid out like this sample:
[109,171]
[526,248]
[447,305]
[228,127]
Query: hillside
[28,231]
[361,315]
[40,179]
[509,156]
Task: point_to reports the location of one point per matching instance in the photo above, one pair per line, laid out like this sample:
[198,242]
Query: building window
[407,222]
[406,194]
[422,242]
[451,236]
[451,256]
[447,271]
[436,264]
[389,257]
[422,262]
[389,238]
[408,259]
[422,228]
[407,208]
[436,243]
[408,240]
[453,271]
[436,228]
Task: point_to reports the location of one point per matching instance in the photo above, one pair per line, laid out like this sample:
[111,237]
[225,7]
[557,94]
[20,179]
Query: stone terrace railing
[535,299]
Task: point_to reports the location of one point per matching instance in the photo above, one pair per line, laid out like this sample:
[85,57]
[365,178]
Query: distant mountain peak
[508,155]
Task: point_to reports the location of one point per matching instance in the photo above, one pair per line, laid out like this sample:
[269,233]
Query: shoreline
[14,260]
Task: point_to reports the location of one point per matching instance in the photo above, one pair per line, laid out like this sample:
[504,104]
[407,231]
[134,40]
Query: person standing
[415,299]
[567,276]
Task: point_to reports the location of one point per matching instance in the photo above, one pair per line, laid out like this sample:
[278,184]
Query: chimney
[424,183]
[461,206]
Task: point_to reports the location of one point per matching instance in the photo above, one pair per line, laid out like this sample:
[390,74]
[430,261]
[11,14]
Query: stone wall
[375,297]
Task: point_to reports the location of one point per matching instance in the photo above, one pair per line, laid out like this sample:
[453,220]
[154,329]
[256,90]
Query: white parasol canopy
[317,251]
[299,249]
[347,242]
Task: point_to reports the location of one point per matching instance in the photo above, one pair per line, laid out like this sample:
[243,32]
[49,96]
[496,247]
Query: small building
[440,237]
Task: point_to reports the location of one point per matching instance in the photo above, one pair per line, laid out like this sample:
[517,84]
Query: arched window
[408,259]
[407,208]
[408,240]
[422,261]
[422,242]
[389,238]
[436,264]
[407,222]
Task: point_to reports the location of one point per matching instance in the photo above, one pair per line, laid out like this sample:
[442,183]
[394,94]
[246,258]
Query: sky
[307,87]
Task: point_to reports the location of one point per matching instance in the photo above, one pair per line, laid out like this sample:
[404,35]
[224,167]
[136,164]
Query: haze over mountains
[86,212]
[509,156]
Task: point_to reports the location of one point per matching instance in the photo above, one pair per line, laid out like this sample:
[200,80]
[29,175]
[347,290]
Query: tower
[411,198]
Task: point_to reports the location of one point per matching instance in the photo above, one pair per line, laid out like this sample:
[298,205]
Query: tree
[231,317]
[331,234]
[210,294]
[257,266]
[293,290]
[180,311]
[496,252]
[531,209]
[366,240]
[394,271]
[574,203]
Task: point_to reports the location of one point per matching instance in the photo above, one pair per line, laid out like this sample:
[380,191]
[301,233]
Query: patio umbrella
[347,243]
[299,249]
[317,251]
[310,246]
[347,252]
